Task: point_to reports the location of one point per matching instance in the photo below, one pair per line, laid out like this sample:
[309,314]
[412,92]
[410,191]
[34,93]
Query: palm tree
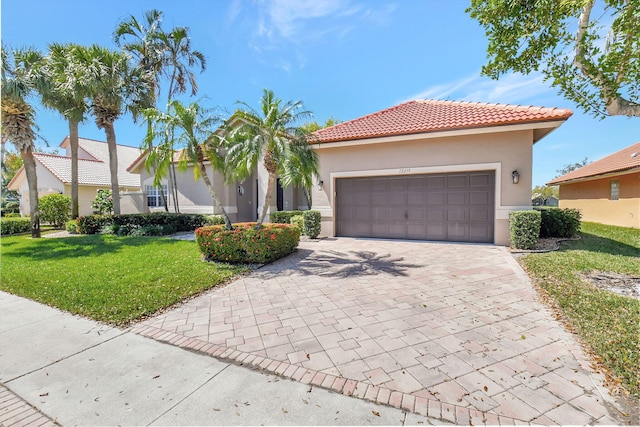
[20,77]
[193,127]
[63,93]
[272,134]
[111,86]
[167,55]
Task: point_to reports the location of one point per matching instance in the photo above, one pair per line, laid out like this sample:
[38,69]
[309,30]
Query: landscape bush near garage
[246,244]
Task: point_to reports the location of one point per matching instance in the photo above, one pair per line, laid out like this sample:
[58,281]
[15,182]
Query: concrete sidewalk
[56,368]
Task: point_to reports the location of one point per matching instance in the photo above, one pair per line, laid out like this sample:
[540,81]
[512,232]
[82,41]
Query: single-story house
[54,174]
[430,170]
[605,191]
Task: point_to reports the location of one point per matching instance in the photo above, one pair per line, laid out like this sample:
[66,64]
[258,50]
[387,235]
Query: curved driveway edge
[450,331]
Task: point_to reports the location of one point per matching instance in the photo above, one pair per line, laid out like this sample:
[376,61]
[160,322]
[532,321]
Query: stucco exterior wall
[503,152]
[592,198]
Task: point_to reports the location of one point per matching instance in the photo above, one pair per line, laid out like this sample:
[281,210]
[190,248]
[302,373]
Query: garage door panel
[477,180]
[416,215]
[436,198]
[451,206]
[398,199]
[457,198]
[398,214]
[380,199]
[436,182]
[457,181]
[478,198]
[460,214]
[415,198]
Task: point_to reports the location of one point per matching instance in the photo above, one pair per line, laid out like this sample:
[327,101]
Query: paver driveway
[452,331]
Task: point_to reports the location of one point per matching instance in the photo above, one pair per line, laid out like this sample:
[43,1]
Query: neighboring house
[54,174]
[605,191]
[430,170]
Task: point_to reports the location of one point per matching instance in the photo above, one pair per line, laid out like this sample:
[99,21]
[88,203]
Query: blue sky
[343,58]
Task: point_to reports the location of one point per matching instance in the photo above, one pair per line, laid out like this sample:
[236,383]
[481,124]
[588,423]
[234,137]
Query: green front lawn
[111,279]
[608,323]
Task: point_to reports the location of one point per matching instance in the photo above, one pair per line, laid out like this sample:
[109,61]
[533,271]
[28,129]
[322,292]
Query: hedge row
[245,244]
[558,222]
[169,222]
[14,225]
[283,217]
[526,227]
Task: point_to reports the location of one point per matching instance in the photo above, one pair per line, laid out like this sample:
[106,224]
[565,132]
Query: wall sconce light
[320,184]
[515,177]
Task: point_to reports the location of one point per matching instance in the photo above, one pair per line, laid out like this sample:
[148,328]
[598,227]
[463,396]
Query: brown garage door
[455,207]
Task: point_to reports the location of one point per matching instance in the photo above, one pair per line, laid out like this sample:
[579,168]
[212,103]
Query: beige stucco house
[427,170]
[430,170]
[241,200]
[605,191]
[54,174]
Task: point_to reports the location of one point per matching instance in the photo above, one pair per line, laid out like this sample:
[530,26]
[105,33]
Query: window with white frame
[154,197]
[615,190]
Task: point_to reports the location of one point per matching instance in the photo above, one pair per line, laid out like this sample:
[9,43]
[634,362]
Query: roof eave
[548,125]
[594,177]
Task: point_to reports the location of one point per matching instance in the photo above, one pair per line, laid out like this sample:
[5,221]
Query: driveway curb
[381,395]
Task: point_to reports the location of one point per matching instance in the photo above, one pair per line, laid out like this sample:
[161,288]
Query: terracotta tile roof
[422,116]
[623,160]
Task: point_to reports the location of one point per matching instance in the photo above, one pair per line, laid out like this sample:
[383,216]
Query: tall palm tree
[20,77]
[272,135]
[111,86]
[63,93]
[167,55]
[193,127]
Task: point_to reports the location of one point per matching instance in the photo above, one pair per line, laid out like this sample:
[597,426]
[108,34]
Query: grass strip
[609,323]
[115,280]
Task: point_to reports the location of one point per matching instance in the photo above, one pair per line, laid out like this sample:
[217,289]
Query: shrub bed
[130,224]
[558,222]
[283,217]
[245,244]
[524,228]
[9,226]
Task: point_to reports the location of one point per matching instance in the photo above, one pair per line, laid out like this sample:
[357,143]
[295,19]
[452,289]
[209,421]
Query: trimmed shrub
[298,221]
[9,226]
[92,224]
[245,244]
[55,209]
[558,222]
[72,226]
[213,219]
[524,228]
[283,217]
[12,215]
[311,223]
[148,230]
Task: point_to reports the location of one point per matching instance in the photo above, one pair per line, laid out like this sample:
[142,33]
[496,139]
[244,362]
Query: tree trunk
[214,196]
[267,198]
[172,166]
[113,165]
[73,142]
[32,180]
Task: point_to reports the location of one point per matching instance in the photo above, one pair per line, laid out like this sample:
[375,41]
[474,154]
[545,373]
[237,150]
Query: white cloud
[510,88]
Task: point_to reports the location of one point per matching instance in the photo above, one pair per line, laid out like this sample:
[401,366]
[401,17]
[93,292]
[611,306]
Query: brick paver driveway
[452,331]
